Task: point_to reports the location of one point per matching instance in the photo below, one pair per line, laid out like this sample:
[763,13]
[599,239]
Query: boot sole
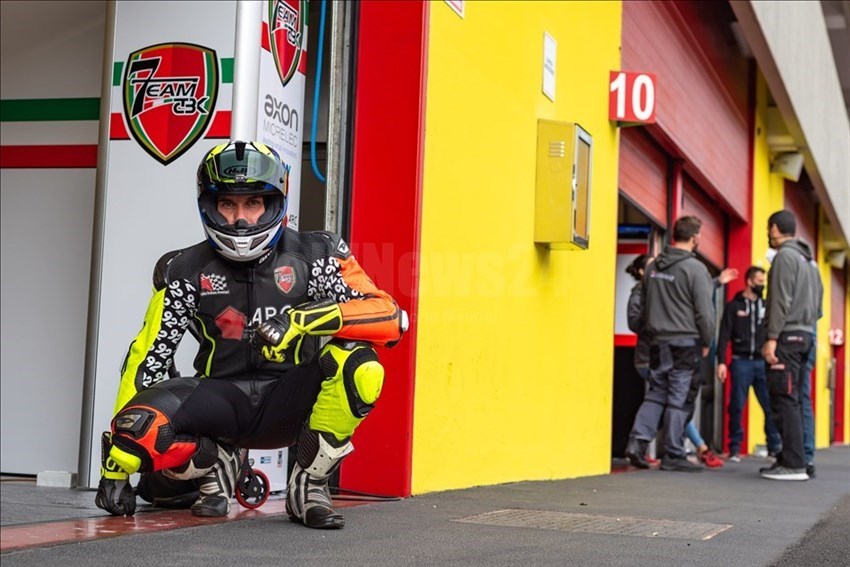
[330,524]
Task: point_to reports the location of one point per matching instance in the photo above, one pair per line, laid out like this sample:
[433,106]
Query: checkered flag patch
[213,282]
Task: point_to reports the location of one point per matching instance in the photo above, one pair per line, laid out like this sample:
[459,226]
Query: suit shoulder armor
[316,244]
[182,264]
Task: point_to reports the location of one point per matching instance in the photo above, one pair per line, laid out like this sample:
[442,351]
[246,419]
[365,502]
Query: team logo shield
[286,34]
[170,91]
[284,277]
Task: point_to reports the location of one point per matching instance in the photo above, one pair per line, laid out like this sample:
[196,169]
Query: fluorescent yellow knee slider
[353,381]
[369,378]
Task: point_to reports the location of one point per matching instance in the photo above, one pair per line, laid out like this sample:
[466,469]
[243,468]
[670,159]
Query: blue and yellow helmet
[242,168]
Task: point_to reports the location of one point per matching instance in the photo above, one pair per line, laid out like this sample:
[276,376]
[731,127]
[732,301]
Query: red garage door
[712,234]
[800,200]
[701,90]
[643,174]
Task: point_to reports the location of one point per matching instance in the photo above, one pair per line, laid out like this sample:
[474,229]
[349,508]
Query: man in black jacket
[679,320]
[743,325]
[794,295]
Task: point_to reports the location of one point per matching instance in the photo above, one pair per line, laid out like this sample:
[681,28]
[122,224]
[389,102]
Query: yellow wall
[768,197]
[820,386]
[514,356]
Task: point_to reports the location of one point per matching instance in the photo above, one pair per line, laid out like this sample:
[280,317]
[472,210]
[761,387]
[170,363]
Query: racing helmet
[242,168]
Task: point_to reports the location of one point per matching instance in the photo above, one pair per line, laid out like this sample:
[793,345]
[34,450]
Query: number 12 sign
[631,97]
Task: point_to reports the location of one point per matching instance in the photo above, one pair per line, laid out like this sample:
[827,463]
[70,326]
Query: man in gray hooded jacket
[794,296]
[679,321]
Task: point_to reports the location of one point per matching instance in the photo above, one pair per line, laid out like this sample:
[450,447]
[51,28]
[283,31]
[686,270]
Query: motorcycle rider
[257,296]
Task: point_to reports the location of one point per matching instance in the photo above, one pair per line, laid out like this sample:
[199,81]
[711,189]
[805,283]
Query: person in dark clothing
[641,359]
[743,325]
[635,316]
[794,296]
[679,321]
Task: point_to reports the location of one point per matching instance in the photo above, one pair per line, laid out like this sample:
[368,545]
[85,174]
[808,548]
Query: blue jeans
[806,406]
[746,373]
[692,433]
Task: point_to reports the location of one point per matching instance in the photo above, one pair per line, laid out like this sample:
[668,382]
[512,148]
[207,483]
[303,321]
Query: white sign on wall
[550,51]
[457,6]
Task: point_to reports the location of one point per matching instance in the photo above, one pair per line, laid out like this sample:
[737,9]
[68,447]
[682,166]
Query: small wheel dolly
[253,486]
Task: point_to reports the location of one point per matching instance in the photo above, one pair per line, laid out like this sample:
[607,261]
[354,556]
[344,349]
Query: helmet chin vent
[257,241]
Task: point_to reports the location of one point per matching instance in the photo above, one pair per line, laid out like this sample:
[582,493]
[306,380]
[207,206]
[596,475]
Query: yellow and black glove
[279,339]
[114,492]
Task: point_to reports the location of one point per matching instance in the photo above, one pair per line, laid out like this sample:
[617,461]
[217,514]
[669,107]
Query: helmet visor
[253,172]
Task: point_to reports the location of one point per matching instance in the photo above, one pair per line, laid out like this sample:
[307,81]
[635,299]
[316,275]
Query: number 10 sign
[631,97]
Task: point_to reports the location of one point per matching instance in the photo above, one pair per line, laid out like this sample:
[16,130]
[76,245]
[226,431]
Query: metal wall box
[562,192]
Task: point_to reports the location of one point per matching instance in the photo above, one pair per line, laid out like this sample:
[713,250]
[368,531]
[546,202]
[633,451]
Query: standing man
[794,294]
[743,325]
[679,320]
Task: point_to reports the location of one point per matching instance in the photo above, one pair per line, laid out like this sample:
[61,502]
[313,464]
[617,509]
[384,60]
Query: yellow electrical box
[562,201]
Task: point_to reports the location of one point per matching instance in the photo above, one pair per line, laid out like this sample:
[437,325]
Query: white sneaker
[735,458]
[782,473]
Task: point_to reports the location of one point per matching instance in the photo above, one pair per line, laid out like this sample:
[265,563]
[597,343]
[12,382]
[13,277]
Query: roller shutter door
[712,234]
[643,174]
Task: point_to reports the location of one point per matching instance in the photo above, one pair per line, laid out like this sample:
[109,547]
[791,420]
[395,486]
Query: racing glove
[279,339]
[114,492]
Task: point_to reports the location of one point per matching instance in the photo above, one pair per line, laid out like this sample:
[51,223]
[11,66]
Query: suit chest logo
[284,277]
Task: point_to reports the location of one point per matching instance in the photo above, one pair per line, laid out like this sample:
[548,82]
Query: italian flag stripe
[41,157]
[49,109]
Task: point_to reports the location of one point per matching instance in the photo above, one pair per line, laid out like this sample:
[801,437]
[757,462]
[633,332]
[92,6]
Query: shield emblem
[286,34]
[170,91]
[284,277]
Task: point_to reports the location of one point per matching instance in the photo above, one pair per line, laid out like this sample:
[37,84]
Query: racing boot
[308,499]
[216,477]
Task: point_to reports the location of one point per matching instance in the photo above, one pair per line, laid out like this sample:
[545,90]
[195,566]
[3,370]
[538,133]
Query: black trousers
[783,384]
[247,414]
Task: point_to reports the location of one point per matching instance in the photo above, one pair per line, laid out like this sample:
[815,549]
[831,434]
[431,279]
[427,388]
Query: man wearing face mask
[794,296]
[679,321]
[743,325]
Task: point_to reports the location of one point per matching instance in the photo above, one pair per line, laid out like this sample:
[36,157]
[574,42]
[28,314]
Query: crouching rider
[258,297]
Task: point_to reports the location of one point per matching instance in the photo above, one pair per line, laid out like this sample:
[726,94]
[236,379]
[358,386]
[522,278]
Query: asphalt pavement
[723,517]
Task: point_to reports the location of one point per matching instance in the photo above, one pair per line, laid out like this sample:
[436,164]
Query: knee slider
[144,440]
[362,374]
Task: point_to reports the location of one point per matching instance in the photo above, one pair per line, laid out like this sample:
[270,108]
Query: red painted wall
[385,213]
